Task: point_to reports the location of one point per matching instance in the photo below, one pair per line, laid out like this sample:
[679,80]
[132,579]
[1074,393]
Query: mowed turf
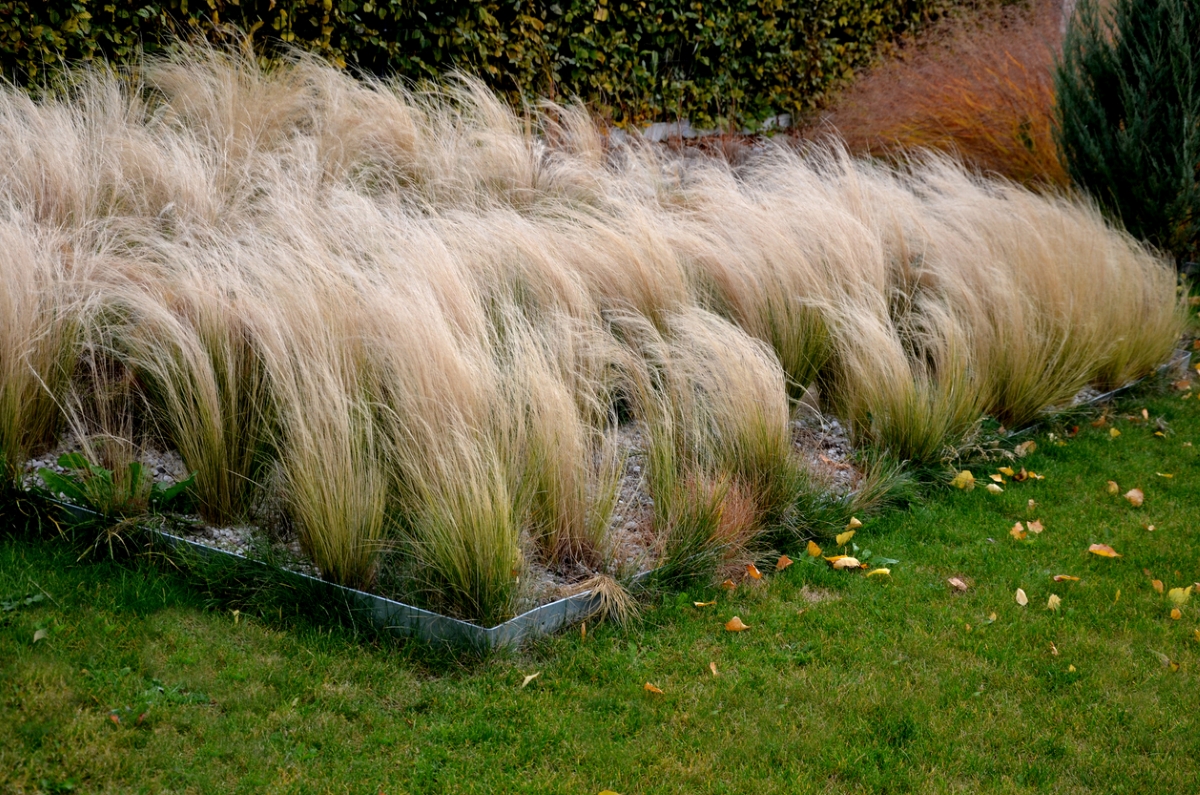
[841,684]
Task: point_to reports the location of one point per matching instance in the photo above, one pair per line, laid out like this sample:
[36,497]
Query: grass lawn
[841,684]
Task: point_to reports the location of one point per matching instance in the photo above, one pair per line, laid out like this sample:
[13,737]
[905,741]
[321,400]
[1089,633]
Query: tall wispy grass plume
[416,320]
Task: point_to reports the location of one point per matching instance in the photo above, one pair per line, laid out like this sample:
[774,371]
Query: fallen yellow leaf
[729,585]
[1007,471]
[813,549]
[842,538]
[783,562]
[964,480]
[1196,634]
[994,489]
[957,584]
[1065,578]
[712,666]
[1117,597]
[853,524]
[1035,526]
[1070,669]
[1018,531]
[1135,497]
[1113,432]
[1158,585]
[736,624]
[1164,474]
[991,618]
[1145,414]
[879,573]
[846,562]
[1104,551]
[1025,448]
[834,558]
[1113,488]
[1022,599]
[608,792]
[530,678]
[1176,614]
[1180,596]
[649,688]
[753,571]
[1053,602]
[705,604]
[997,478]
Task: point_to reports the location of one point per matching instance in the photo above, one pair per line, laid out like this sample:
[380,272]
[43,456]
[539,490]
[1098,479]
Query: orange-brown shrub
[979,85]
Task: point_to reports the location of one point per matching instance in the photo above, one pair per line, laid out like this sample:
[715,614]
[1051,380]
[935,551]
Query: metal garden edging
[398,618]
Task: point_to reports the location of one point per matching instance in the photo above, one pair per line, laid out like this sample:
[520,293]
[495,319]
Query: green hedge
[737,61]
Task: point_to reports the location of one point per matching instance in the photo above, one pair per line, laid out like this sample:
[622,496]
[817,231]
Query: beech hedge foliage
[716,61]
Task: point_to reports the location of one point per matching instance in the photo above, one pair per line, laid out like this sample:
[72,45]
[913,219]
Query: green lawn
[880,685]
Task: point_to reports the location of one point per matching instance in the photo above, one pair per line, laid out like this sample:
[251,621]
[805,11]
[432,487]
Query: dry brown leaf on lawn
[736,624]
[1053,602]
[1100,423]
[1158,585]
[879,573]
[1053,649]
[1025,448]
[846,562]
[1018,531]
[39,635]
[649,688]
[963,480]
[1135,497]
[1035,526]
[1183,384]
[813,549]
[705,604]
[783,562]
[729,585]
[1180,596]
[997,478]
[753,571]
[1065,578]
[1104,551]
[994,489]
[957,584]
[1112,487]
[530,678]
[1176,613]
[1145,414]
[1021,598]
[842,538]
[1148,527]
[1031,506]
[712,666]
[1022,476]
